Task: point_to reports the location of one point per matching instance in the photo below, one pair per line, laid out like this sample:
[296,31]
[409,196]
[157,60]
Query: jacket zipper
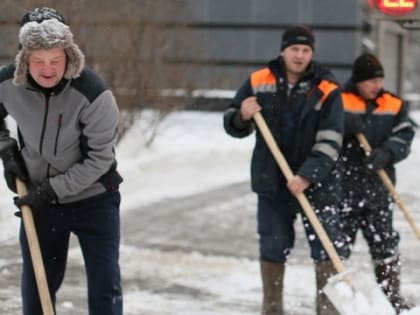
[44,125]
[60,118]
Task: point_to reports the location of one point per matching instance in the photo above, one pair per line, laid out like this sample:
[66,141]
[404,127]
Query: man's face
[297,58]
[369,89]
[47,67]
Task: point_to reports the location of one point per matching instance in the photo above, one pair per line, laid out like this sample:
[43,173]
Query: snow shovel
[35,251]
[388,184]
[349,294]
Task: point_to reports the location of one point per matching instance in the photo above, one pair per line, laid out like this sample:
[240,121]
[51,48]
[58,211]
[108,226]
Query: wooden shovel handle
[35,251]
[303,201]
[388,184]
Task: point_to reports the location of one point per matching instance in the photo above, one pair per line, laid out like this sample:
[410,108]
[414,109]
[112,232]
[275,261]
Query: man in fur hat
[66,124]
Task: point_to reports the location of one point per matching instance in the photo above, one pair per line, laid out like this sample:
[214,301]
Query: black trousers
[276,217]
[96,223]
[368,207]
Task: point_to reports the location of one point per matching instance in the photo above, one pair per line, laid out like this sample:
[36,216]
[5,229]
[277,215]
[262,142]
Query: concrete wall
[239,36]
[220,41]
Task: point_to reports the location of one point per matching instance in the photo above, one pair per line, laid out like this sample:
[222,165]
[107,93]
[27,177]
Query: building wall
[239,36]
[220,41]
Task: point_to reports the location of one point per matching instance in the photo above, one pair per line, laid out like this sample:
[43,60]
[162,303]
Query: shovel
[349,294]
[35,251]
[388,184]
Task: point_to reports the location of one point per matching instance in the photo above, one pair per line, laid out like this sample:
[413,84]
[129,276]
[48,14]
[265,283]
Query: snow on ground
[192,154]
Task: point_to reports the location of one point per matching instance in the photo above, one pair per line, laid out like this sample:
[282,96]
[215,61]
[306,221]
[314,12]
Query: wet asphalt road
[220,222]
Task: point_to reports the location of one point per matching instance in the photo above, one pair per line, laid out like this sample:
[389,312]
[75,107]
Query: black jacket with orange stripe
[388,127]
[311,144]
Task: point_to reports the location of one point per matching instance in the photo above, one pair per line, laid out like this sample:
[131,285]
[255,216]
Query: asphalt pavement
[216,223]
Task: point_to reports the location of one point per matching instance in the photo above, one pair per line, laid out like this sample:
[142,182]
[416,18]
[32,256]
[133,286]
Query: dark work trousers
[368,207]
[276,217]
[95,222]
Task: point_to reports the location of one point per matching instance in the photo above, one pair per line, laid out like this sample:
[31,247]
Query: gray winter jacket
[67,134]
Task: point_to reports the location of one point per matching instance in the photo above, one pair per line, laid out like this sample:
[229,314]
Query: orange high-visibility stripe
[387,103]
[262,77]
[353,103]
[326,88]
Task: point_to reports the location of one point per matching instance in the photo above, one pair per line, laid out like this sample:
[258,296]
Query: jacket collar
[350,87]
[314,73]
[278,68]
[32,84]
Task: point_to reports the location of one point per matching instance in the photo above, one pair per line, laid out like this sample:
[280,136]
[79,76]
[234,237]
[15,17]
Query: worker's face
[369,89]
[297,58]
[47,67]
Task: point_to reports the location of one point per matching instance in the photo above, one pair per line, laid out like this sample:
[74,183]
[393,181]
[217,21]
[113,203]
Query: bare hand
[298,184]
[249,108]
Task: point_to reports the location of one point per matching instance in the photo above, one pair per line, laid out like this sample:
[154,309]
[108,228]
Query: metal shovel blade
[360,295]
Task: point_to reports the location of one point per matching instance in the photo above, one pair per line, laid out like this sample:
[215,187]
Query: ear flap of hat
[75,61]
[21,67]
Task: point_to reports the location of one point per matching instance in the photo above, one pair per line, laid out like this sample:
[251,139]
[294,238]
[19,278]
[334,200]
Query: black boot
[388,277]
[272,275]
[324,270]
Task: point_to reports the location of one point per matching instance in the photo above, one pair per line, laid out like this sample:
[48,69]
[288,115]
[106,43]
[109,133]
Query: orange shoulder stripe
[353,103]
[263,81]
[388,104]
[262,77]
[326,87]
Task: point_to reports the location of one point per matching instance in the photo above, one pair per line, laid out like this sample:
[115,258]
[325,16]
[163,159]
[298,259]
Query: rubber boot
[324,270]
[388,277]
[272,275]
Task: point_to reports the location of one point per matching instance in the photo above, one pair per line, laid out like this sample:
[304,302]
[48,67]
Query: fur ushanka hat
[44,28]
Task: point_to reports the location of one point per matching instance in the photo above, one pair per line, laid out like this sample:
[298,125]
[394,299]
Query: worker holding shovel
[302,105]
[66,125]
[367,205]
